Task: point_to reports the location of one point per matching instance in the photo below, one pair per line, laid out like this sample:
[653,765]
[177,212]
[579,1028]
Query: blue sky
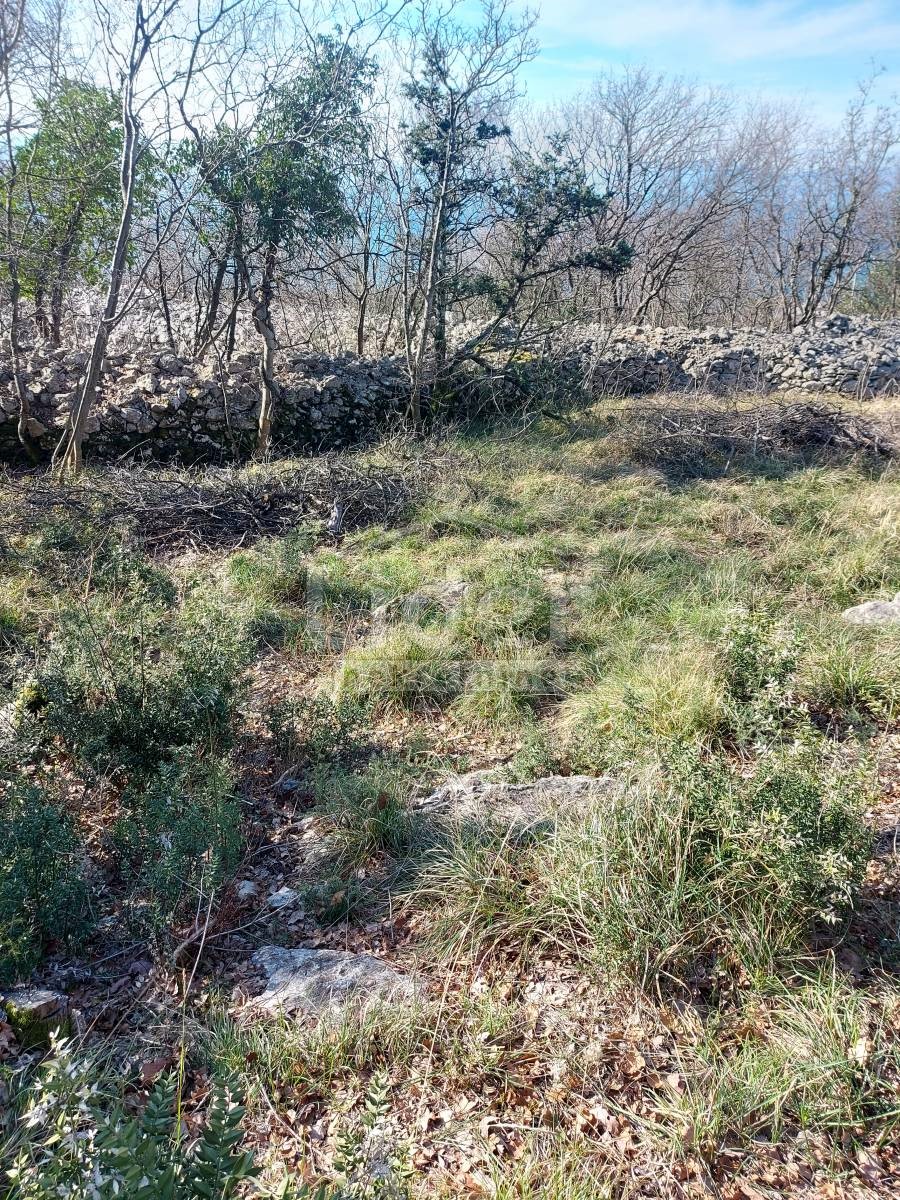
[814,50]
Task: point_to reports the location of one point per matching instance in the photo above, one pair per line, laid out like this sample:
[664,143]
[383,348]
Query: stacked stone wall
[165,407]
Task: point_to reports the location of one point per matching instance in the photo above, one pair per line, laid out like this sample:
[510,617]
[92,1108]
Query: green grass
[818,1058]
[699,872]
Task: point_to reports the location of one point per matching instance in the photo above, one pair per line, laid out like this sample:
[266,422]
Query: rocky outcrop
[483,800]
[165,407]
[874,612]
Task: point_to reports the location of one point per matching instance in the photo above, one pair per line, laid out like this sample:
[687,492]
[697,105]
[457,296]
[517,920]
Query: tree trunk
[56,310]
[40,311]
[262,320]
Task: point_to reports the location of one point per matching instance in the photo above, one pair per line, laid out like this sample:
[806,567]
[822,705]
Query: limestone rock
[34,1014]
[874,612]
[283,897]
[476,797]
[446,596]
[322,982]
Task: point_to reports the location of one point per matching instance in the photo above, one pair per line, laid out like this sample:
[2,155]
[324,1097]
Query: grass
[699,873]
[645,995]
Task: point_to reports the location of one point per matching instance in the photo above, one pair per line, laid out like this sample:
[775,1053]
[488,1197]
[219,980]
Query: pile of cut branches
[171,510]
[695,439]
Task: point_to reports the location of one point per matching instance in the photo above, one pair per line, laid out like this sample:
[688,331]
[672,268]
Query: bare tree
[157,59]
[815,224]
[13,17]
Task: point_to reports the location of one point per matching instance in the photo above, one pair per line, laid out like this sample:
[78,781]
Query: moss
[36,1016]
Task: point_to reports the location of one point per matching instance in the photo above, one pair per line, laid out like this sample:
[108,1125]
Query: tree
[275,185]
[68,196]
[488,225]
[815,226]
[157,57]
[461,81]
[12,39]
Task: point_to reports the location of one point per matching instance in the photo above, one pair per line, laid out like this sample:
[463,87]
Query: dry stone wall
[162,406]
[841,355]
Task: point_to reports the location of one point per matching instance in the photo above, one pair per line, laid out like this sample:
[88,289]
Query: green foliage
[79,1140]
[643,704]
[282,178]
[759,661]
[502,691]
[365,1166]
[177,836]
[311,731]
[137,700]
[368,808]
[67,201]
[537,757]
[128,690]
[511,602]
[272,572]
[405,668]
[43,897]
[814,1057]
[549,198]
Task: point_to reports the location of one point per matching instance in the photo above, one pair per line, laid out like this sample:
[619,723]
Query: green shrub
[759,660]
[537,757]
[78,1138]
[126,692]
[178,834]
[43,897]
[313,730]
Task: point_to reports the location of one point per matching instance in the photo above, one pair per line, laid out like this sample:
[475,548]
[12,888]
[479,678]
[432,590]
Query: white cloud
[730,30]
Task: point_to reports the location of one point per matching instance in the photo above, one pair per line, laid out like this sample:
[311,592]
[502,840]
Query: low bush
[43,896]
[313,730]
[758,661]
[176,837]
[79,1138]
[125,691]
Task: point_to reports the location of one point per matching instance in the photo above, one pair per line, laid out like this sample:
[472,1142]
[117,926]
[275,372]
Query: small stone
[36,428]
[283,897]
[246,889]
[35,1013]
[321,982]
[874,612]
